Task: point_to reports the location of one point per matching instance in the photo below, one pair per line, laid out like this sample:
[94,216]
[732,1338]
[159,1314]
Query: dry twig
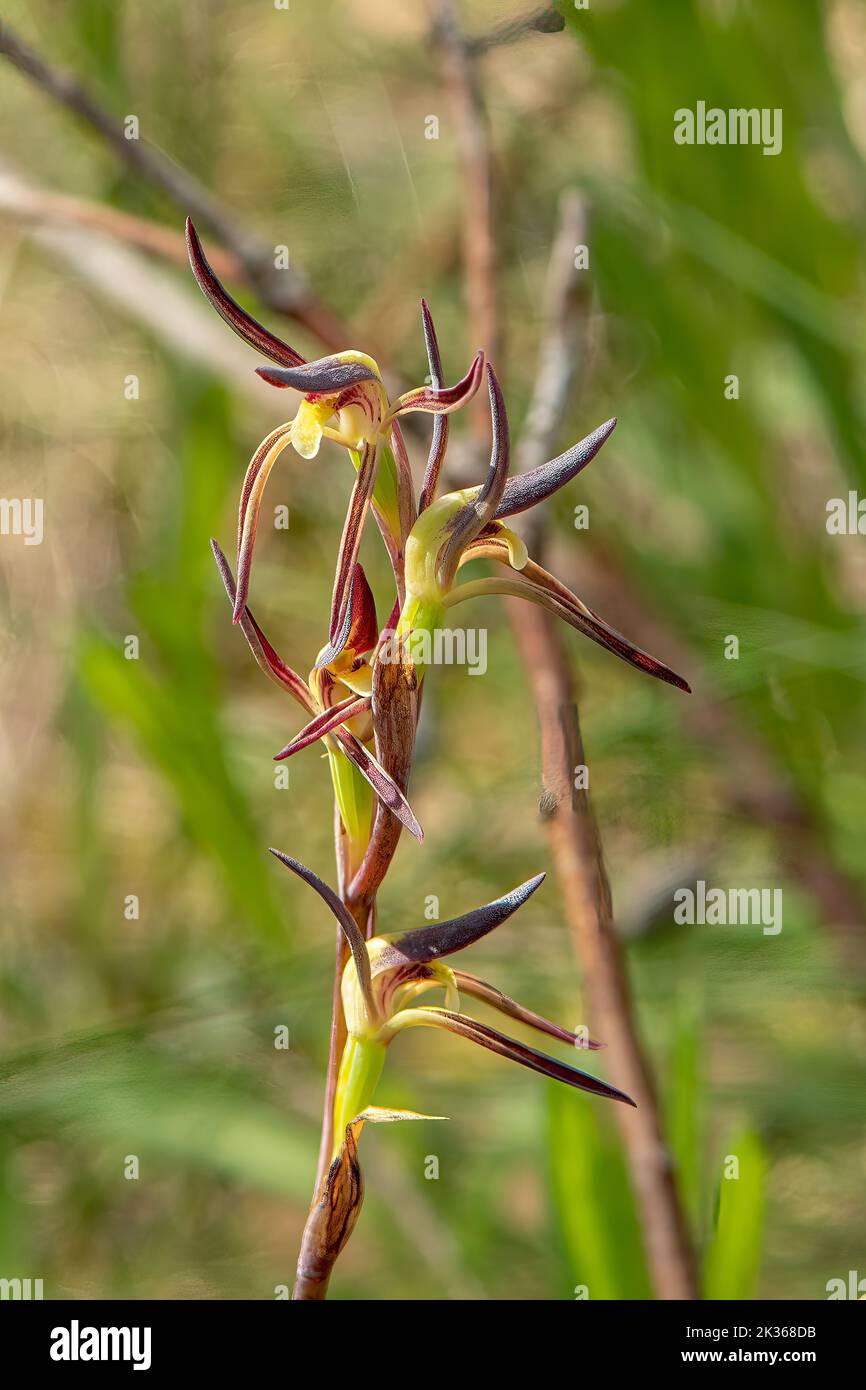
[282,291]
[574,836]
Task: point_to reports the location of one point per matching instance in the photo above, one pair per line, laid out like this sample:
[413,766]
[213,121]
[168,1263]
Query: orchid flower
[386,975]
[343,399]
[341,716]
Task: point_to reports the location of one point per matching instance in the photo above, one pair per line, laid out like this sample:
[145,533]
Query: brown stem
[752,782]
[577,853]
[573,832]
[546,19]
[574,836]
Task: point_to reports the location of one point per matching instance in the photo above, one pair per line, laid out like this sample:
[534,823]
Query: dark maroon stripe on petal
[323,724]
[444,938]
[228,308]
[441,423]
[526,489]
[480,989]
[516,1051]
[386,789]
[267,659]
[350,543]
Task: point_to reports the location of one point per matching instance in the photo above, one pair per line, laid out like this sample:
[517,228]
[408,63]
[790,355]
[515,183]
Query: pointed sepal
[228,308]
[426,944]
[525,490]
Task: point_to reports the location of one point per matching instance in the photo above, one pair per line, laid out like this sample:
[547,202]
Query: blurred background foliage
[154,1035]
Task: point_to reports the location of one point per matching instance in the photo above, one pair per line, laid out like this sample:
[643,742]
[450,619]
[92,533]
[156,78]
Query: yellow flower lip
[308,426]
[347,384]
[392,989]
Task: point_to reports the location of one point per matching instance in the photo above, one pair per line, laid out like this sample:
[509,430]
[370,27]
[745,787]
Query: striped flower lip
[384,977]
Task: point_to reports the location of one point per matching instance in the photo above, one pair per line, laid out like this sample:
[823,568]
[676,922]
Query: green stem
[355,800]
[360,1069]
[419,621]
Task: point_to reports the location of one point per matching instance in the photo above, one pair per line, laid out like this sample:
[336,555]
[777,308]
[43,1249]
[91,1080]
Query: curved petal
[350,544]
[524,490]
[364,626]
[253,489]
[323,724]
[444,399]
[359,630]
[405,485]
[267,659]
[489,994]
[237,318]
[509,1048]
[383,784]
[488,546]
[348,925]
[441,423]
[477,512]
[563,604]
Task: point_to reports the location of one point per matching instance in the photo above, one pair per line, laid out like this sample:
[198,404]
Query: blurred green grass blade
[593,1204]
[684,1095]
[125,1096]
[733,1257]
[169,698]
[213,809]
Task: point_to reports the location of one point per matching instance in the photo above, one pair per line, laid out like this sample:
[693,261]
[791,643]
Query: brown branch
[572,829]
[577,853]
[40,207]
[283,291]
[752,782]
[544,20]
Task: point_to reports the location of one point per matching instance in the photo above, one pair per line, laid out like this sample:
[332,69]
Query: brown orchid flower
[470,524]
[386,975]
[336,717]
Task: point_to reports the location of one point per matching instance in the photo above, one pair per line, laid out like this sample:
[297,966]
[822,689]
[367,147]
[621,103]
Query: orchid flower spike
[385,976]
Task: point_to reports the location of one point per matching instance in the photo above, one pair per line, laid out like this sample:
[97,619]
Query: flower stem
[360,1069]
